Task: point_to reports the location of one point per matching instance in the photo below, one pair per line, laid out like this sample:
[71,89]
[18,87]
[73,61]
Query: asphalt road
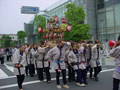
[8,79]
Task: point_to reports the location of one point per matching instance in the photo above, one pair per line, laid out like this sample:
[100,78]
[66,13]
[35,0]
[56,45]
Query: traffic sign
[29,10]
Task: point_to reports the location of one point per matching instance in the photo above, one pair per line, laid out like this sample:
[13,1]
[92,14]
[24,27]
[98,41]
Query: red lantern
[111,43]
[68,28]
[63,20]
[40,29]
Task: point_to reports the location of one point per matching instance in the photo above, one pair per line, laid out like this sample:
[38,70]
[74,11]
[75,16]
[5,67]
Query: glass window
[100,1]
[117,14]
[100,6]
[109,18]
[101,20]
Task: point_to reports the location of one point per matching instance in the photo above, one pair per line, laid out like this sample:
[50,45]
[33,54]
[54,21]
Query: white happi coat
[29,59]
[16,58]
[115,52]
[73,59]
[54,55]
[41,57]
[94,56]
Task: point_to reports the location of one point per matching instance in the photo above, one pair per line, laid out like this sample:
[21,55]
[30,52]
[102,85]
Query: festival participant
[89,56]
[29,61]
[77,61]
[19,63]
[57,54]
[71,72]
[42,61]
[115,52]
[95,63]
[32,51]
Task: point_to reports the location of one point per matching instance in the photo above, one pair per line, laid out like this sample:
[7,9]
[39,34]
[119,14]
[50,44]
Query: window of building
[109,18]
[117,14]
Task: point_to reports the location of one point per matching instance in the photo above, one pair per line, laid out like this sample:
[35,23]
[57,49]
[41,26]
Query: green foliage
[12,43]
[39,21]
[21,36]
[75,17]
[5,41]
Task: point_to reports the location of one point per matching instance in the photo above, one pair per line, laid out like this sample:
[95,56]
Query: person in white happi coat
[95,63]
[115,52]
[29,61]
[71,72]
[57,55]
[42,61]
[19,64]
[77,61]
[32,51]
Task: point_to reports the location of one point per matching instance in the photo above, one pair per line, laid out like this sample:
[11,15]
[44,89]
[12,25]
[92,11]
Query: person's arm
[50,54]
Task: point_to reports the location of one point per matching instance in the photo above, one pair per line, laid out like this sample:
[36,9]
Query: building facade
[103,16]
[108,19]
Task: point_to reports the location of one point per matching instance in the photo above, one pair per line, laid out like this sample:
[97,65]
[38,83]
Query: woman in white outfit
[19,64]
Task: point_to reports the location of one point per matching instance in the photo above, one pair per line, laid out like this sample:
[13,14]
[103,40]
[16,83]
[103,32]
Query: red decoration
[44,36]
[56,19]
[62,34]
[63,20]
[40,29]
[68,28]
[52,34]
[111,43]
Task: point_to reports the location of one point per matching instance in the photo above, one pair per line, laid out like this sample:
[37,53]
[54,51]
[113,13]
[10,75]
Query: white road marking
[38,81]
[3,74]
[9,68]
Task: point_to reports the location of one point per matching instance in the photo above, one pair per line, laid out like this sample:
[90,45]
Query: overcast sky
[11,19]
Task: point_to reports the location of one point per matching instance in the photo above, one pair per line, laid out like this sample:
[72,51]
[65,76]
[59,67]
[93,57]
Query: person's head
[34,45]
[106,40]
[42,43]
[22,48]
[97,42]
[59,43]
[90,43]
[119,39]
[74,46]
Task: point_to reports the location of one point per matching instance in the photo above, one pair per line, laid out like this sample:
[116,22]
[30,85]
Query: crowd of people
[78,58]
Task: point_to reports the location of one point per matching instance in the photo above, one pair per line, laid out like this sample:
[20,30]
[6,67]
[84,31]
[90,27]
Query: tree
[21,36]
[39,21]
[75,17]
[5,41]
[12,43]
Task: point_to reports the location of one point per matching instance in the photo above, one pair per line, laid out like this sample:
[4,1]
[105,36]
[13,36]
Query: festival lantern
[111,43]
[40,29]
[68,28]
[63,20]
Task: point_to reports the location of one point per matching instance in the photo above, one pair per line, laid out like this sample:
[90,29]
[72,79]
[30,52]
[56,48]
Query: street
[8,80]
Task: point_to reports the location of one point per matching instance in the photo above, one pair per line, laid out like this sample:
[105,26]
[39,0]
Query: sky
[11,19]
